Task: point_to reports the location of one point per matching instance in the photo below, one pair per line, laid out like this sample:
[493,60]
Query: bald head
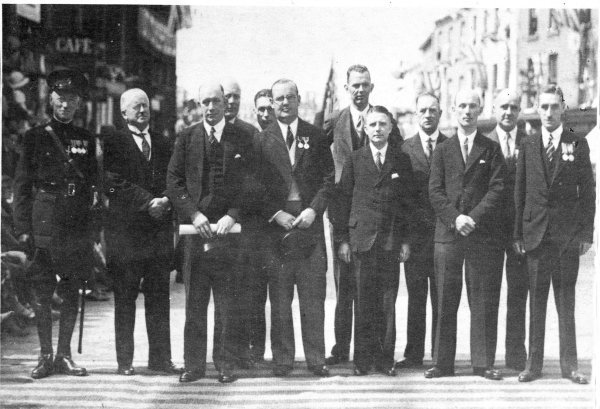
[135,108]
[466,108]
[233,95]
[212,102]
[507,106]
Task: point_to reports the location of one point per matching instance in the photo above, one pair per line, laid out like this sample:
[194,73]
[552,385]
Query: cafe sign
[74,45]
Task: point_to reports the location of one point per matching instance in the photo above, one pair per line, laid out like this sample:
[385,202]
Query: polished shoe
[386,371]
[65,365]
[358,371]
[126,370]
[44,367]
[226,376]
[576,377]
[528,376]
[336,360]
[281,370]
[167,367]
[191,375]
[488,373]
[408,363]
[437,372]
[318,370]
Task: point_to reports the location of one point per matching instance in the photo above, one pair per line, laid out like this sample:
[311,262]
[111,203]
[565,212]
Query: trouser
[345,294]
[517,283]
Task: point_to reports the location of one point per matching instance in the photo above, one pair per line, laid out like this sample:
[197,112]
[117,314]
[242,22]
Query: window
[553,21]
[494,77]
[474,30]
[533,22]
[553,68]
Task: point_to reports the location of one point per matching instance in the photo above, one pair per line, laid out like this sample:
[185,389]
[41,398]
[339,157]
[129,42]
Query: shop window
[552,68]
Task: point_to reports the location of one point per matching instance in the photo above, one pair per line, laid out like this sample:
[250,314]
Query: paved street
[257,389]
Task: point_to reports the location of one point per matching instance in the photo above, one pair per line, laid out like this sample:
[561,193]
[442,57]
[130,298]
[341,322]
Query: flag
[330,101]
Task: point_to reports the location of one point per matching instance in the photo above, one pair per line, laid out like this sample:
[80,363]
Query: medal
[300,145]
[565,157]
[73,150]
[305,140]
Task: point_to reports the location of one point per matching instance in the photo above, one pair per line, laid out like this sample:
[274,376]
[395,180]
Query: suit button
[111,190]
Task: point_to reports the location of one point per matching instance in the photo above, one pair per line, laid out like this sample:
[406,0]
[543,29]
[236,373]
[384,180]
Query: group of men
[433,202]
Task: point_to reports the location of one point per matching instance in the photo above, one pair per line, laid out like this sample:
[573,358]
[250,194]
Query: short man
[345,130]
[296,168]
[204,183]
[372,227]
[233,95]
[53,196]
[263,106]
[418,269]
[555,201]
[465,189]
[506,109]
[138,232]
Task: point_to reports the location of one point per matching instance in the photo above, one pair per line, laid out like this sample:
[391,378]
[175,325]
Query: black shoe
[576,377]
[408,363]
[191,375]
[281,370]
[358,371]
[488,373]
[167,367]
[319,370]
[437,372]
[528,376]
[65,365]
[126,370]
[225,376]
[44,368]
[335,360]
[386,371]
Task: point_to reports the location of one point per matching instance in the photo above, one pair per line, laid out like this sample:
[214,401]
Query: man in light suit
[204,183]
[139,234]
[296,169]
[506,109]
[418,269]
[465,189]
[372,226]
[345,133]
[555,202]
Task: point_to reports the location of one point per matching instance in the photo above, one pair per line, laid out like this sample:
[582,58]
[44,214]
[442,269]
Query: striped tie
[378,161]
[550,148]
[145,145]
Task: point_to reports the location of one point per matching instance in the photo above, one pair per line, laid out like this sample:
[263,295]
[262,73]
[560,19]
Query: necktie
[212,139]
[550,148]
[289,139]
[378,161]
[506,147]
[360,128]
[145,145]
[465,150]
[429,148]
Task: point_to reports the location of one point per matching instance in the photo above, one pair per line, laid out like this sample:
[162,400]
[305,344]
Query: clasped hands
[202,225]
[465,225]
[303,221]
[159,206]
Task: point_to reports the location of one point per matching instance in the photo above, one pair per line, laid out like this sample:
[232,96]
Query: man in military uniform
[53,196]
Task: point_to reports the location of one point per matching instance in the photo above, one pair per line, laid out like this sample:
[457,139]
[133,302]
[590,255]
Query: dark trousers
[483,291]
[202,273]
[517,282]
[155,286]
[420,277]
[377,275]
[309,276]
[345,285]
[546,264]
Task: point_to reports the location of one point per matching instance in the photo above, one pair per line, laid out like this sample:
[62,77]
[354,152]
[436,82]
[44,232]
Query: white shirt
[424,138]
[374,151]
[218,129]
[138,139]
[356,114]
[470,137]
[284,130]
[555,136]
[511,142]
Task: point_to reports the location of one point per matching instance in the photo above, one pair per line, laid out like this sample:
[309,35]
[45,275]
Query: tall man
[418,269]
[139,233]
[555,201]
[465,189]
[345,130]
[372,225]
[53,196]
[296,168]
[506,110]
[204,182]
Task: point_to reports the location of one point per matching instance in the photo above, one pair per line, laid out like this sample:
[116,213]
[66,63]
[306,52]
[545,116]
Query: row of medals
[303,144]
[77,147]
[567,149]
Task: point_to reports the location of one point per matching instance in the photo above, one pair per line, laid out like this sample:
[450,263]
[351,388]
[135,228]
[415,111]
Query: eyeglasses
[290,98]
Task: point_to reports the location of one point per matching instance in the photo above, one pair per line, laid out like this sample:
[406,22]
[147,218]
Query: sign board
[31,12]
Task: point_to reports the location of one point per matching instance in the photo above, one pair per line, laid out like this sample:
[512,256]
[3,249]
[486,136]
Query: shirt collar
[555,135]
[356,113]
[462,136]
[284,127]
[218,128]
[232,121]
[137,131]
[374,150]
[424,137]
[502,133]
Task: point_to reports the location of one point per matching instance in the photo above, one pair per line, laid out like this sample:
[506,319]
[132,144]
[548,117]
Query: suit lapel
[227,140]
[456,153]
[476,151]
[368,163]
[386,169]
[344,128]
[301,133]
[277,147]
[417,147]
[535,158]
[564,138]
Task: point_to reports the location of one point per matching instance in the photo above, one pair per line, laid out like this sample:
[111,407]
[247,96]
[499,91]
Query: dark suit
[418,269]
[313,172]
[138,246]
[190,189]
[474,189]
[343,138]
[373,217]
[555,203]
[516,267]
